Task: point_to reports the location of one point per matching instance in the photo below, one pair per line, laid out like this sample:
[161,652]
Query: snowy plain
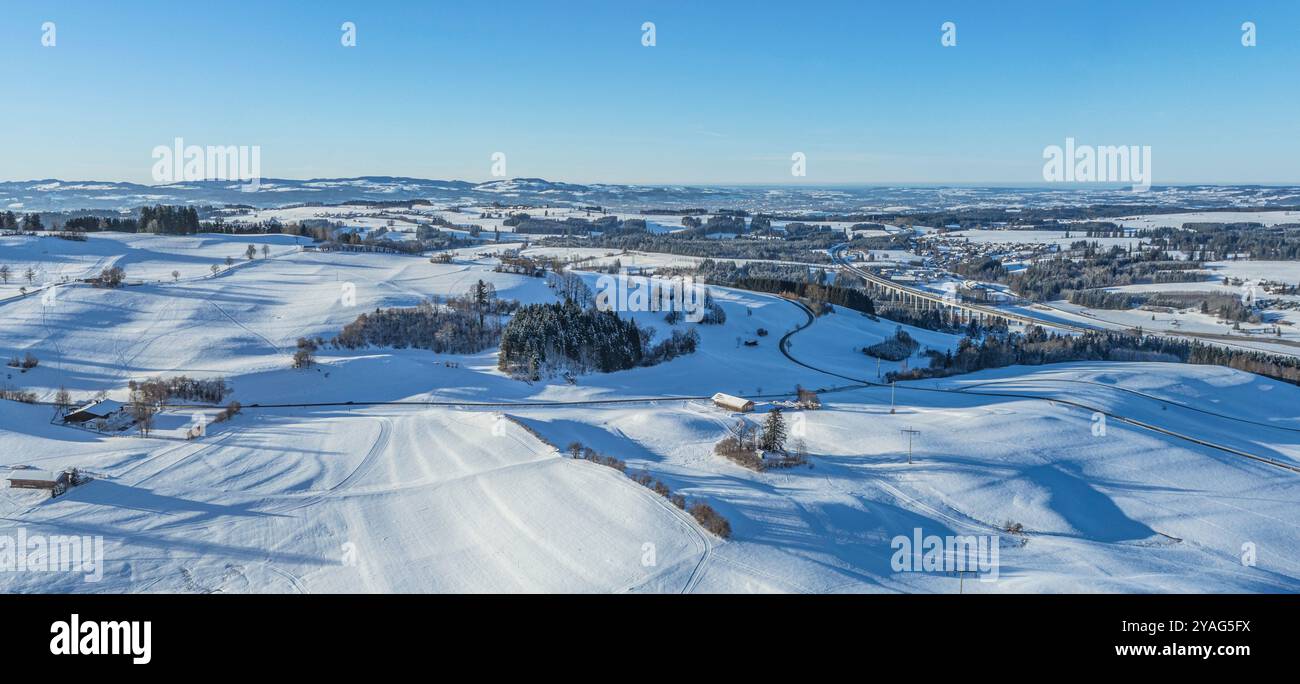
[461,496]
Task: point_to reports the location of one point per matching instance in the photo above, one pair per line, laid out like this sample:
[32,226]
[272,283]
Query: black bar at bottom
[227,632]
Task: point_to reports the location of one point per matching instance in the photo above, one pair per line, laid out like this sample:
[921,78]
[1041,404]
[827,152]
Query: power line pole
[891,396]
[910,433]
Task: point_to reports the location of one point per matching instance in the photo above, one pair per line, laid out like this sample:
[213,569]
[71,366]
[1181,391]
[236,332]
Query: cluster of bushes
[305,355]
[25,363]
[678,344]
[111,277]
[740,450]
[459,325]
[757,450]
[157,390]
[708,518]
[895,348]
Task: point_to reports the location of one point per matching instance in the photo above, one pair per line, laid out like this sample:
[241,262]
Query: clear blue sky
[730,91]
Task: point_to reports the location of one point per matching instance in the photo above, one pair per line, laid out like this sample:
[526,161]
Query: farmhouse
[56,482]
[94,411]
[731,403]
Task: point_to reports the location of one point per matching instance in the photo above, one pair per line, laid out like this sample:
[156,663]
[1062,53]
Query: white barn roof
[732,402]
[101,408]
[32,474]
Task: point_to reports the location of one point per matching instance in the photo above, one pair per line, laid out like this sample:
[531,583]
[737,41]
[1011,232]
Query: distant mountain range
[59,195]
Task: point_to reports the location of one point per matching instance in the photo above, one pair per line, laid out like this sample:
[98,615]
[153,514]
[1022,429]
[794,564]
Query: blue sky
[729,92]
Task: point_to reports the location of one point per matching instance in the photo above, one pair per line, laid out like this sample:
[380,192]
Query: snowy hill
[465,491]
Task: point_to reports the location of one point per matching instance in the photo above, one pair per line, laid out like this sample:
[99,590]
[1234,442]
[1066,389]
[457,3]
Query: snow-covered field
[1267,218]
[457,496]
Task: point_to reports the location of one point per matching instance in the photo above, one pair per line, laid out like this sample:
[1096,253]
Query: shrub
[738,451]
[306,354]
[896,348]
[27,362]
[232,409]
[18,395]
[111,277]
[711,520]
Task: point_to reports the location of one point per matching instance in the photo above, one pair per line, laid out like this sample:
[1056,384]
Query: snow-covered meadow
[460,496]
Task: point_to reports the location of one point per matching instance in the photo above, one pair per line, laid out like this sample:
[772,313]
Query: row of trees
[1220,241]
[158,390]
[27,222]
[7,273]
[695,243]
[704,514]
[1226,306]
[1036,347]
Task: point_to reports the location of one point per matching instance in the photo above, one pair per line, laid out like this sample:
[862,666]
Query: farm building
[808,399]
[731,403]
[56,482]
[94,411]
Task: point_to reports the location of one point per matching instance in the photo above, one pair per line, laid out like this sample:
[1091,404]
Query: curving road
[1014,395]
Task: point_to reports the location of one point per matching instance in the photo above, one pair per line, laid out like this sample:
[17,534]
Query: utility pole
[910,433]
[891,396]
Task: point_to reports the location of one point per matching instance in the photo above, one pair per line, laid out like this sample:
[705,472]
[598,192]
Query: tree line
[1036,347]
